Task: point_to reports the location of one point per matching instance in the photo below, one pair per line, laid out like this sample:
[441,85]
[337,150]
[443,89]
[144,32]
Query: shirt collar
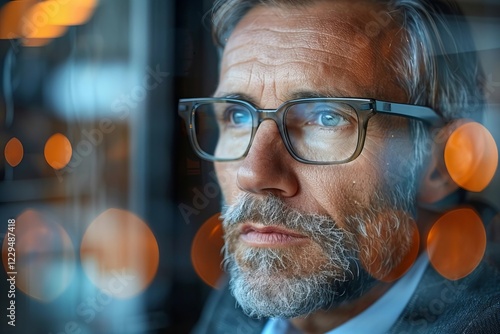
[379,317]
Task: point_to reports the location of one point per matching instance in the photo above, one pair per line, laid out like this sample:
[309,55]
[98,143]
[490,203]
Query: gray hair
[438,67]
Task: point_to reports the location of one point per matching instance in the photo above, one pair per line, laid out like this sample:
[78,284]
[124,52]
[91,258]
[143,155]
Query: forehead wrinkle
[316,39]
[307,52]
[327,61]
[315,26]
[249,76]
[353,17]
[300,53]
[325,40]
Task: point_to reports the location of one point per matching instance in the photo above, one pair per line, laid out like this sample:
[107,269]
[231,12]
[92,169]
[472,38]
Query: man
[325,184]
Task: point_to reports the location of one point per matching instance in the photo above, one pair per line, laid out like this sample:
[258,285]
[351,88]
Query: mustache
[272,211]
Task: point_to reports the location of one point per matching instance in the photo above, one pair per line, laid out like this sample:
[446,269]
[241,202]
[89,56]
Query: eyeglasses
[318,131]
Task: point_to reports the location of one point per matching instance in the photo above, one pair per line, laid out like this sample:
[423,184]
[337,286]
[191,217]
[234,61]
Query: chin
[281,296]
[289,283]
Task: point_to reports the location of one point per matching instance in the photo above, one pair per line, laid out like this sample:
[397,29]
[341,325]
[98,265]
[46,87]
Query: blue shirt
[379,317]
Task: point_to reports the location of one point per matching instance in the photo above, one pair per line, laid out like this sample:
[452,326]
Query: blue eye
[331,119]
[239,116]
[327,115]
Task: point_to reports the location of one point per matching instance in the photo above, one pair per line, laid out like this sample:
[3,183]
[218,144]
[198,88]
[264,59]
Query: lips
[269,236]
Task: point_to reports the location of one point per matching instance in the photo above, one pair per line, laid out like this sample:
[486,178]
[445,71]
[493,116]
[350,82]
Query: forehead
[318,19]
[331,47]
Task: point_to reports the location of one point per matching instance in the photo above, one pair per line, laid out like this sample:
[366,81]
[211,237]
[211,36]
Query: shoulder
[468,305]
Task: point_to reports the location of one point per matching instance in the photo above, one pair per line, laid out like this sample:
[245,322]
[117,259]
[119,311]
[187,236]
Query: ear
[436,182]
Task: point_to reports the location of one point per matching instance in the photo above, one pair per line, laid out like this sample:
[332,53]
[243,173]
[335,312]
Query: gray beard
[270,282]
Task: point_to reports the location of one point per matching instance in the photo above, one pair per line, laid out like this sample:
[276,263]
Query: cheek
[343,190]
[384,163]
[388,243]
[391,153]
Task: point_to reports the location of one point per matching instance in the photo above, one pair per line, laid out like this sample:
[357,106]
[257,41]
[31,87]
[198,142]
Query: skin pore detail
[347,213]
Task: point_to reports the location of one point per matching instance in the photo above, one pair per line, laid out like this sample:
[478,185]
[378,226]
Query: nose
[268,167]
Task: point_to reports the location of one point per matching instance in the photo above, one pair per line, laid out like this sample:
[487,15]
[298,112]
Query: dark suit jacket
[470,305]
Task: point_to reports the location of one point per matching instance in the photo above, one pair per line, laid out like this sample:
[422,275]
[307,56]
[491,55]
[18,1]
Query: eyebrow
[312,94]
[305,94]
[239,96]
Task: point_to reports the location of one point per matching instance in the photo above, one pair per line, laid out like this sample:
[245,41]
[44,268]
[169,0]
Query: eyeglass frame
[365,109]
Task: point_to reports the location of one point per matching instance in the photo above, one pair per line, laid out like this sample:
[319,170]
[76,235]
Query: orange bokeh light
[33,19]
[14,152]
[457,243]
[58,151]
[52,13]
[119,253]
[206,254]
[45,257]
[12,21]
[38,25]
[471,156]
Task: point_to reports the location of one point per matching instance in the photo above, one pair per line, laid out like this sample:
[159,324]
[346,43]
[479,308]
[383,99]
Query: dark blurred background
[96,170]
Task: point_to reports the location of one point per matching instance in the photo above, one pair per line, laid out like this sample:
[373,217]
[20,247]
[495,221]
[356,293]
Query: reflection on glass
[45,256]
[119,253]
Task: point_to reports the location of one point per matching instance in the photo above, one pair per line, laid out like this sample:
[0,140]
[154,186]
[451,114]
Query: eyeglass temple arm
[422,113]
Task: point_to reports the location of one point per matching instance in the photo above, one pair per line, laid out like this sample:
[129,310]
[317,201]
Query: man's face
[300,237]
